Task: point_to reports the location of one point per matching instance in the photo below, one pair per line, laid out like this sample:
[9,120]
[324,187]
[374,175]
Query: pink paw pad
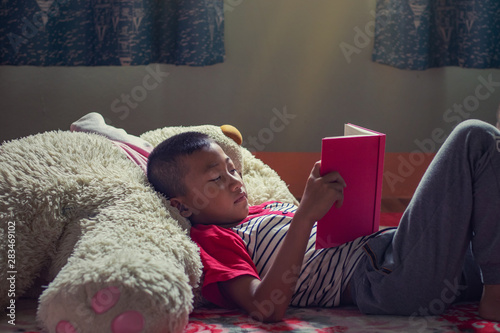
[65,327]
[128,322]
[105,299]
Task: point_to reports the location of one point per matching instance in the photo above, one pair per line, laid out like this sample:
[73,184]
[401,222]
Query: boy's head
[200,180]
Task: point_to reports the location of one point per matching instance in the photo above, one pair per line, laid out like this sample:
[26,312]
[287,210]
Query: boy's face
[215,191]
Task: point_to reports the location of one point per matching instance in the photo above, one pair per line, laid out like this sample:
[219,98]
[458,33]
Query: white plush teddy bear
[79,216]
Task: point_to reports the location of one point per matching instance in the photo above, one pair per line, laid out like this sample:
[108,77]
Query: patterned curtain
[420,34]
[111,32]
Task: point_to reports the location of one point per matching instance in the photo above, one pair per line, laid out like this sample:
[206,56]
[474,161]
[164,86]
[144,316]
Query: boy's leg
[418,270]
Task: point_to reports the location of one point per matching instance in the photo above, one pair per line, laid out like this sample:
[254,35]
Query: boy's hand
[320,193]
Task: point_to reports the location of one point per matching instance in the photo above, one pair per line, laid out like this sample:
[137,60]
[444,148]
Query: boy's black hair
[165,170]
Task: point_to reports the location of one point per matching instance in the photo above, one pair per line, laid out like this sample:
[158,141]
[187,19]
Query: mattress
[459,318]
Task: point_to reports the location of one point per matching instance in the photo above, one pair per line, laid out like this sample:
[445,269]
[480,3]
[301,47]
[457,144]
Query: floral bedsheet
[460,318]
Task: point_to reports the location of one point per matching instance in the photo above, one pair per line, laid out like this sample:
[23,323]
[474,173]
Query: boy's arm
[268,299]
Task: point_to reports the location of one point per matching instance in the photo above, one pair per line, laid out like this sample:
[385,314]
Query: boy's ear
[177,203]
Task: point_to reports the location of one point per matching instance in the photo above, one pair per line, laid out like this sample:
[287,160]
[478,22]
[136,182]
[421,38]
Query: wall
[282,55]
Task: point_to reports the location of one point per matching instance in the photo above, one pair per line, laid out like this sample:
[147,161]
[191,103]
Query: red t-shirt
[224,256]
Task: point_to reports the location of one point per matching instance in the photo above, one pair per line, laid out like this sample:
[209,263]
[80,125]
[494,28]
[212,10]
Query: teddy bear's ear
[232,133]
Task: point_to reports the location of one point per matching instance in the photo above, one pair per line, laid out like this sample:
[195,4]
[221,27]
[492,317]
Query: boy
[266,261]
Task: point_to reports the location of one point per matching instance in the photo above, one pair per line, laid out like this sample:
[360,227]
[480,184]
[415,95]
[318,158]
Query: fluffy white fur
[86,218]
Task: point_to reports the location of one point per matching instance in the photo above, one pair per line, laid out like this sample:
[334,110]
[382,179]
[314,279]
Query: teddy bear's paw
[65,326]
[104,300]
[125,291]
[127,322]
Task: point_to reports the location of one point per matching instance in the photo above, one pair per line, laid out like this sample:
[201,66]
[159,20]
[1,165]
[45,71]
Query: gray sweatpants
[448,241]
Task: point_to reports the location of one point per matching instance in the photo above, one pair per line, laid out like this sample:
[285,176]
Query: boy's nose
[235,182]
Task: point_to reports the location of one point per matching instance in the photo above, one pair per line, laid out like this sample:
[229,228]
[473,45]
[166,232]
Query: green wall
[295,71]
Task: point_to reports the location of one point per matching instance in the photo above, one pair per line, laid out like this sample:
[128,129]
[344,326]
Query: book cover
[359,158]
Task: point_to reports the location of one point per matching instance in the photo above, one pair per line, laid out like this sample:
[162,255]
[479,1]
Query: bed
[459,318]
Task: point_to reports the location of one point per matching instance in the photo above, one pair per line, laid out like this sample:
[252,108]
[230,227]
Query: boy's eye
[236,172]
[216,179]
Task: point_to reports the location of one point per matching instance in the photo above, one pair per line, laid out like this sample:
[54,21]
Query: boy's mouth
[240,198]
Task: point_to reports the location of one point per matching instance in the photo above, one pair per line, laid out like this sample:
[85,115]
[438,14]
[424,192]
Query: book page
[350,130]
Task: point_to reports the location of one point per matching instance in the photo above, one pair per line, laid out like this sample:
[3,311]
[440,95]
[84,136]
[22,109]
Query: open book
[359,158]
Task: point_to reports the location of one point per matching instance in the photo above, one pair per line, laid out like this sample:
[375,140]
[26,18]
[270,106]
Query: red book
[359,158]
